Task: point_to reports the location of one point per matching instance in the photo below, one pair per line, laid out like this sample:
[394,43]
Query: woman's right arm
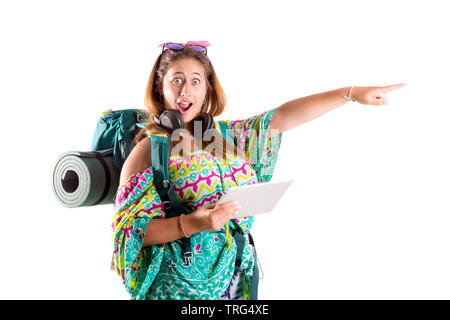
[206,218]
[159,231]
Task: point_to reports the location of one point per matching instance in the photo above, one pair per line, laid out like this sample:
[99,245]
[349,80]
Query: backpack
[115,132]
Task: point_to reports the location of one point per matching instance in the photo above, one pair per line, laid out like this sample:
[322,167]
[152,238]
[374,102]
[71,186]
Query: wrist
[189,225]
[349,93]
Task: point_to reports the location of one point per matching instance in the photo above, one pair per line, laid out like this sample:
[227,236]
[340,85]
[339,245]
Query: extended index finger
[393,87]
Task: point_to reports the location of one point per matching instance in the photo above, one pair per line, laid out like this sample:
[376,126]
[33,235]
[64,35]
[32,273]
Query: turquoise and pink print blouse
[158,271]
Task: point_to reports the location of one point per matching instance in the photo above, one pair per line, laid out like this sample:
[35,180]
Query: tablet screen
[256,198]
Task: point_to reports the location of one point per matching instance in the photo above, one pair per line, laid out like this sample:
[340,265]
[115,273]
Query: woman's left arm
[296,112]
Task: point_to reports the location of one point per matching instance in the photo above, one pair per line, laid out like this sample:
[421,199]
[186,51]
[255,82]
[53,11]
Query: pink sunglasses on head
[194,45]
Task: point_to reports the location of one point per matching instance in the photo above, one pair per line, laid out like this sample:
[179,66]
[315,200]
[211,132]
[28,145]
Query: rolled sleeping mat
[85,178]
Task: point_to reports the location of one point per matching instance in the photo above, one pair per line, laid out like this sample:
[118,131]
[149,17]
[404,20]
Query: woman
[147,246]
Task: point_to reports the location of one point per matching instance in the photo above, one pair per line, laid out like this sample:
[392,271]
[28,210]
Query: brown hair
[214,104]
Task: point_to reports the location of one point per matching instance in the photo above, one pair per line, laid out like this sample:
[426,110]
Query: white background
[366,218]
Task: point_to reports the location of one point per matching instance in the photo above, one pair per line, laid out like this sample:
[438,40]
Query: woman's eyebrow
[183,73]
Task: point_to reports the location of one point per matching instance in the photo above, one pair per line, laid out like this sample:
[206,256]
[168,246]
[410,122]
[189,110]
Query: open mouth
[184,107]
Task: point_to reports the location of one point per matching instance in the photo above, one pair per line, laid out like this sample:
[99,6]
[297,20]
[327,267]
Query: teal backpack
[115,132]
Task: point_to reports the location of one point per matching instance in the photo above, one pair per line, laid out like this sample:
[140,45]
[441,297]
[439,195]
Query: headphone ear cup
[171,120]
[207,121]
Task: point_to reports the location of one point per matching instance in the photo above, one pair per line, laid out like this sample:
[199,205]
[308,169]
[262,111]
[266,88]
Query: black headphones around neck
[171,120]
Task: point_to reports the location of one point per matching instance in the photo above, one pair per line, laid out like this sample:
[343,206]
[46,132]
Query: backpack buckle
[188,257]
[166,184]
[141,116]
[167,205]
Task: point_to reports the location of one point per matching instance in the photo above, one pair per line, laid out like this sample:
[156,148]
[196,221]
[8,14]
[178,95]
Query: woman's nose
[185,90]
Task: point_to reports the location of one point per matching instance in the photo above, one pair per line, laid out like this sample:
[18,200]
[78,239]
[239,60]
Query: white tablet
[255,198]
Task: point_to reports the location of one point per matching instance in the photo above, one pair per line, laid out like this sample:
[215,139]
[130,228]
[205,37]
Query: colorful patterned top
[159,272]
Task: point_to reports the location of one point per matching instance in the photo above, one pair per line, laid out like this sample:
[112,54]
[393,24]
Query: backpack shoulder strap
[225,131]
[240,241]
[160,163]
[255,278]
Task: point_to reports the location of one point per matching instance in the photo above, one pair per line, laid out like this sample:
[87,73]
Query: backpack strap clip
[166,184]
[167,206]
[188,256]
[239,239]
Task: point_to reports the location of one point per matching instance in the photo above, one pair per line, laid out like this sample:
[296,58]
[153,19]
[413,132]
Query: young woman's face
[184,88]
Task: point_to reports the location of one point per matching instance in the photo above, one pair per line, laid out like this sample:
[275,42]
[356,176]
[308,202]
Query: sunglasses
[194,45]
